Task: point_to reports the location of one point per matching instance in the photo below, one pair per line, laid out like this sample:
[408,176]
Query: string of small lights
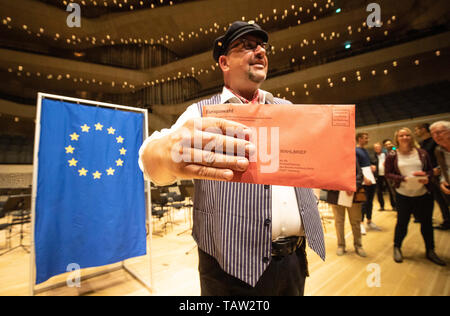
[289,52]
[354,77]
[167,39]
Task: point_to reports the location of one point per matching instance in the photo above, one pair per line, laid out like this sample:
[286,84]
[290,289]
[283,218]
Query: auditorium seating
[421,101]
[16,149]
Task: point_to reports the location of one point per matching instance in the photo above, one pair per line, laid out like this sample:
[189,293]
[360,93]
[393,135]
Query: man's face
[388,145]
[247,60]
[418,131]
[377,148]
[364,140]
[440,135]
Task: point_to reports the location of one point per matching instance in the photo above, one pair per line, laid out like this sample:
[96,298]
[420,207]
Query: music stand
[17,203]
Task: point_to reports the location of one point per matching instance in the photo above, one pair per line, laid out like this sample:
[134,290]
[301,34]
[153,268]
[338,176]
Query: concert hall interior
[391,59]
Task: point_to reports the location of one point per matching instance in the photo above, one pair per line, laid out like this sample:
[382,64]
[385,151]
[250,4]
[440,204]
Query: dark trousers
[368,204]
[284,276]
[381,185]
[441,200]
[422,208]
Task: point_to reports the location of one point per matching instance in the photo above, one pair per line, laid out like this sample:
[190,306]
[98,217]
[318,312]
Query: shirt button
[267,222]
[265,260]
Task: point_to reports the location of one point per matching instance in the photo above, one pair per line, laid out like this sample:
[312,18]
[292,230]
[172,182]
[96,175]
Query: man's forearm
[153,161]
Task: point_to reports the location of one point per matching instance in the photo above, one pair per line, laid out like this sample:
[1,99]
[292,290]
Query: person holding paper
[427,143]
[362,139]
[251,238]
[440,131]
[410,169]
[354,214]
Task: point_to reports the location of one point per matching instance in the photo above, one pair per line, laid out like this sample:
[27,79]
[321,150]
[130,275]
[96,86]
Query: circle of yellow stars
[97,174]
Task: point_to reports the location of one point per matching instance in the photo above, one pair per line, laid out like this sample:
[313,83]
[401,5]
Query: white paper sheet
[412,183]
[344,199]
[367,172]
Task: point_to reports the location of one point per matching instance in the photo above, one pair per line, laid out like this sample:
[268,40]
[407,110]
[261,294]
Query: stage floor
[174,264]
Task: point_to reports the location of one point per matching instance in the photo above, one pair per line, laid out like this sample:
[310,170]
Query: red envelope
[309,146]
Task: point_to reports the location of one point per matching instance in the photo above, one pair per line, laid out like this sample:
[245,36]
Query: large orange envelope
[310,146]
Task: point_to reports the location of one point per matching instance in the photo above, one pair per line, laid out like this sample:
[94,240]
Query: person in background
[427,143]
[440,131]
[354,215]
[380,158]
[362,139]
[388,146]
[410,170]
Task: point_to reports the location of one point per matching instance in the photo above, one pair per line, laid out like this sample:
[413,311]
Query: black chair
[187,190]
[2,214]
[159,214]
[18,207]
[3,226]
[161,199]
[176,198]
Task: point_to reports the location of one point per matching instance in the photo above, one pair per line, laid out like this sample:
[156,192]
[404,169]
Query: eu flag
[90,201]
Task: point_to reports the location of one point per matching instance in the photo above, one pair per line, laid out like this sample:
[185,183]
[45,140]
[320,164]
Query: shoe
[398,257]
[432,256]
[340,251]
[363,229]
[360,252]
[372,226]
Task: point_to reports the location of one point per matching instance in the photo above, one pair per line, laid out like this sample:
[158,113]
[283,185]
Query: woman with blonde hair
[409,168]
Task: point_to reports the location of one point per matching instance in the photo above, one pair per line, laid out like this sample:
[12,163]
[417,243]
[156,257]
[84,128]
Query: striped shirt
[232,221]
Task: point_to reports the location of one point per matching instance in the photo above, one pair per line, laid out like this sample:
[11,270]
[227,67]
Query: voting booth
[90,202]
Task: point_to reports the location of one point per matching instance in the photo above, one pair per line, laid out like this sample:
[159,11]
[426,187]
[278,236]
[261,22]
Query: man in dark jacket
[429,145]
[440,131]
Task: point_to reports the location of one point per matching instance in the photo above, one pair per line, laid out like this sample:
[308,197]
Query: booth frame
[108,268]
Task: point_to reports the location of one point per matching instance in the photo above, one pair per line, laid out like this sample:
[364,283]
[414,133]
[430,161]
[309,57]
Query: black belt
[285,246]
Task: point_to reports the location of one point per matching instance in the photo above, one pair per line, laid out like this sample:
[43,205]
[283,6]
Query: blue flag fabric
[90,201]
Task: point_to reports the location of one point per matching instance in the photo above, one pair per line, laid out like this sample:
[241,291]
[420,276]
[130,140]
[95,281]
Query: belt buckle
[286,246]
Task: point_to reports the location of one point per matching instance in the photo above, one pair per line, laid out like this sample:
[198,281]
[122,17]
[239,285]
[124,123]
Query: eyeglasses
[438,132]
[252,45]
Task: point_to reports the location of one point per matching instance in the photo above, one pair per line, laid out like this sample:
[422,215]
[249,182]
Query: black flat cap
[236,30]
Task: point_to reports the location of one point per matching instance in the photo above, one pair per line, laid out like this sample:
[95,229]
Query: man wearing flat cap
[251,238]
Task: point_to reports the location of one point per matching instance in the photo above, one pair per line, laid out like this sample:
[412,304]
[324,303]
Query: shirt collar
[227,95]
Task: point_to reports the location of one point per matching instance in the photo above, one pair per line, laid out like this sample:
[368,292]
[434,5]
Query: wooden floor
[174,265]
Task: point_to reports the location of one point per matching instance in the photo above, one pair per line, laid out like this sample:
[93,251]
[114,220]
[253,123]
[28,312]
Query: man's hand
[445,187]
[203,148]
[367,181]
